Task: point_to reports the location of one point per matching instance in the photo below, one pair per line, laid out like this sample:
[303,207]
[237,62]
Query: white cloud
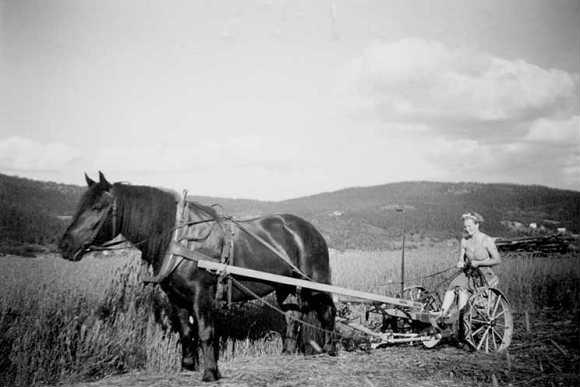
[263,167]
[556,132]
[232,152]
[549,154]
[22,154]
[424,81]
[481,118]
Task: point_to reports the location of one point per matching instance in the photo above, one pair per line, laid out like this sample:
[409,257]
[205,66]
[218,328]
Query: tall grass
[78,321]
[78,325]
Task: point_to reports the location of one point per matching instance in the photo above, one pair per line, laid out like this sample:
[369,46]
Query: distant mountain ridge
[361,217]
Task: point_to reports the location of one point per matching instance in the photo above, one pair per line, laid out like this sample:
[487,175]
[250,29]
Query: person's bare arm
[494,257]
[461,261]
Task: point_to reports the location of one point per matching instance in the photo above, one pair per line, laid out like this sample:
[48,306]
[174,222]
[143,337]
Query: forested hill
[362,217]
[31,212]
[366,217]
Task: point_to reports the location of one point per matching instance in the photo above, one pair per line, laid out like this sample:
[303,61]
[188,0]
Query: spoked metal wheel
[431,300]
[488,321]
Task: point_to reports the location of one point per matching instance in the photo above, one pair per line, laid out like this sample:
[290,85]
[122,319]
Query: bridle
[113,209]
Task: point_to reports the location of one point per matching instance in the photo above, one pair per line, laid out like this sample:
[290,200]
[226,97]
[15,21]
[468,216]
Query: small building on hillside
[551,225]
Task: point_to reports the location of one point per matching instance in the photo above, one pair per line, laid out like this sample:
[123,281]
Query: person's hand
[460,265]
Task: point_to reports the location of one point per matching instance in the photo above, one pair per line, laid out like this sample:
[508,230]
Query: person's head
[471,221]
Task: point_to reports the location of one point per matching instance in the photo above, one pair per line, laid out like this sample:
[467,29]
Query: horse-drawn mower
[485,323]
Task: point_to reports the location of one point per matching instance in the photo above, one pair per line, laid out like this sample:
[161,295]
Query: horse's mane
[147,213]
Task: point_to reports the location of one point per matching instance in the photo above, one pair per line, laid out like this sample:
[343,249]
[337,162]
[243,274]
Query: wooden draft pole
[281,279]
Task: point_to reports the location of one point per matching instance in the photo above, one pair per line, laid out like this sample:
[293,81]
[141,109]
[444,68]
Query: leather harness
[180,248]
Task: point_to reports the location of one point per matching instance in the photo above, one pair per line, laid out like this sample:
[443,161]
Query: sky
[277,99]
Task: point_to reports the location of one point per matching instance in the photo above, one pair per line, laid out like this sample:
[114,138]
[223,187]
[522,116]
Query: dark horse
[146,217]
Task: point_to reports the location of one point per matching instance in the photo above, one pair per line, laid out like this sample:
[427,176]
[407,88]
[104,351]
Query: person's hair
[477,218]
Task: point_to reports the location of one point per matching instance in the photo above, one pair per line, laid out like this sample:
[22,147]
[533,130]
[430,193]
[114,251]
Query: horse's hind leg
[320,307]
[203,309]
[327,315]
[291,308]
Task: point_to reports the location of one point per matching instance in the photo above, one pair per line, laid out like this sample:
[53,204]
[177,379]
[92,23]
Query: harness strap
[280,254]
[224,285]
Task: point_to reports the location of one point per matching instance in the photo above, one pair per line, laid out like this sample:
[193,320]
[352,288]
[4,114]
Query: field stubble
[63,321]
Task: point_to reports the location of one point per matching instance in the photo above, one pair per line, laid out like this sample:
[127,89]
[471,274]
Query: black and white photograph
[375,193]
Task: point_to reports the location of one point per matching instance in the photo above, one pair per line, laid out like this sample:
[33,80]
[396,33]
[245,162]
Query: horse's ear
[103,181]
[90,182]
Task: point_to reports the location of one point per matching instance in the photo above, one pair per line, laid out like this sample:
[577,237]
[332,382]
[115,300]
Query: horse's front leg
[188,336]
[203,308]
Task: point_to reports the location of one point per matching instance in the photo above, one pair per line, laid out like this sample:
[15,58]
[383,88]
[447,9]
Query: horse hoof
[331,350]
[289,348]
[188,364]
[211,375]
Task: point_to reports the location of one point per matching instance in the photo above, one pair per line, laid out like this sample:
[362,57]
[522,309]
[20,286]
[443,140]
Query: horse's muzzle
[68,251]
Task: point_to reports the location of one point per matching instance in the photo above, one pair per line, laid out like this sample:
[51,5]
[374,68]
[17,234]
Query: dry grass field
[65,322]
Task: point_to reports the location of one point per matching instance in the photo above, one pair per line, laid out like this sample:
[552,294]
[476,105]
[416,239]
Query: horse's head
[92,225]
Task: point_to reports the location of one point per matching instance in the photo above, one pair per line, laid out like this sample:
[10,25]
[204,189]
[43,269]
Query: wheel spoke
[493,318]
[479,321]
[493,334]
[496,306]
[489,295]
[499,332]
[487,340]
[479,312]
[483,337]
[500,337]
[478,330]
